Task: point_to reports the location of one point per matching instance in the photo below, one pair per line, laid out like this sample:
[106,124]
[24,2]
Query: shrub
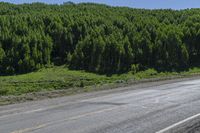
[134,68]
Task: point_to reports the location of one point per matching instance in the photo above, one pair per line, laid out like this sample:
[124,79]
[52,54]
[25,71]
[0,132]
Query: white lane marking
[99,98]
[178,123]
[67,119]
[27,112]
[29,129]
[33,111]
[11,110]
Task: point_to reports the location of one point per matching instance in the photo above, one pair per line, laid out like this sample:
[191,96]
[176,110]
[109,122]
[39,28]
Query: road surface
[147,108]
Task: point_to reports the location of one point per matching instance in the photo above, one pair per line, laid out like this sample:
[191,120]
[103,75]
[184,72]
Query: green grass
[56,78]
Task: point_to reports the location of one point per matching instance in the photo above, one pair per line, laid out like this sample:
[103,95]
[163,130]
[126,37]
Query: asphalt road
[146,108]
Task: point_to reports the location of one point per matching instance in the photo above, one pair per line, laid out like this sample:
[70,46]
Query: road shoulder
[93,91]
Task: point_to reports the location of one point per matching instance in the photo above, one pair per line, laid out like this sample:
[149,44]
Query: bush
[3,92]
[81,84]
[134,68]
[151,72]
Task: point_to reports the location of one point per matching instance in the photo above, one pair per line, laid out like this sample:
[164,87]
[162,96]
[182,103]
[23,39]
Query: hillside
[97,38]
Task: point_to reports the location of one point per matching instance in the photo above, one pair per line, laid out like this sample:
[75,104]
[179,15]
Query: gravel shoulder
[95,90]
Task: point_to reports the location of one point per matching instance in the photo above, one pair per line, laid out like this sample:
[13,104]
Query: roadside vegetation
[61,78]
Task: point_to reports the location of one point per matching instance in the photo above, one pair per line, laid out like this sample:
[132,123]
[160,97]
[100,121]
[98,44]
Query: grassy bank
[57,78]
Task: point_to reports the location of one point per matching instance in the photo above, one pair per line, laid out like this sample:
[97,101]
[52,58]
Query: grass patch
[57,78]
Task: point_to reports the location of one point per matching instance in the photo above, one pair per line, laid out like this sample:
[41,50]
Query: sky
[148,4]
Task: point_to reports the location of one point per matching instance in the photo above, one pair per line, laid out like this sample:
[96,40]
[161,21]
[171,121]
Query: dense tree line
[97,38]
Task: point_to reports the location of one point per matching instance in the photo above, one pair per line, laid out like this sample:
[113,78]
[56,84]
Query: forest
[97,38]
